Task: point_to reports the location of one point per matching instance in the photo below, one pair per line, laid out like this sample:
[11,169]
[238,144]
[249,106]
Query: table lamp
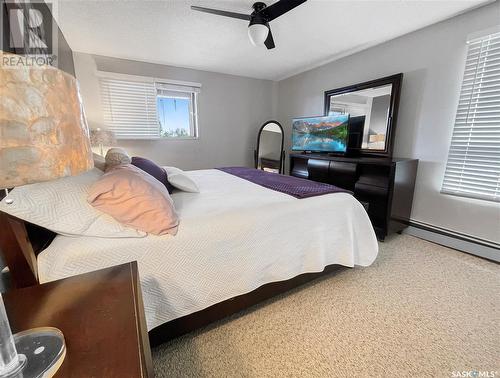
[43,136]
[100,138]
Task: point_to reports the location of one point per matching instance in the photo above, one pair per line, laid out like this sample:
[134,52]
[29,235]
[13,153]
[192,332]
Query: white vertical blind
[473,167]
[129,108]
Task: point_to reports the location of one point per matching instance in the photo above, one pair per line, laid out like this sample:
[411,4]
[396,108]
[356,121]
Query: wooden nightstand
[102,318]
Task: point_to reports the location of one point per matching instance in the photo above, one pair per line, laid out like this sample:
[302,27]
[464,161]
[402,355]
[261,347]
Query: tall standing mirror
[269,155]
[372,110]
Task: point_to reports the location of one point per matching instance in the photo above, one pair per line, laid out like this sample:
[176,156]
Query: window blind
[473,166]
[129,108]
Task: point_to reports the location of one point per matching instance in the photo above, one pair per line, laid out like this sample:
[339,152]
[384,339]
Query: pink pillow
[136,199]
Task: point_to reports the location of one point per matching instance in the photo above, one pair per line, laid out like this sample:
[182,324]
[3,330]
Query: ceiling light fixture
[259,30]
[258,34]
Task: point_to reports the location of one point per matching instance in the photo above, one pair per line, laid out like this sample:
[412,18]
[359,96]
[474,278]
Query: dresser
[383,185]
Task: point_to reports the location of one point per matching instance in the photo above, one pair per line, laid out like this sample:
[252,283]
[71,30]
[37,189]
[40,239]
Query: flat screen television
[321,134]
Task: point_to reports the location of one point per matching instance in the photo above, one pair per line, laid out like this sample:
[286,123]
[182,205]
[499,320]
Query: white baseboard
[454,240]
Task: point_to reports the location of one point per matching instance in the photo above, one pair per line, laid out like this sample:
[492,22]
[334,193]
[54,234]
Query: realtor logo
[28,29]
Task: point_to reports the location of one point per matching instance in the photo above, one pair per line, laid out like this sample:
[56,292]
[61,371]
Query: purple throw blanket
[293,186]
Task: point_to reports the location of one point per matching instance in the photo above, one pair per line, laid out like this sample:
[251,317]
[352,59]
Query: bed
[238,243]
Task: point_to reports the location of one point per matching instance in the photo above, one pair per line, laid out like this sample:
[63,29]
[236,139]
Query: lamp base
[16,370]
[41,352]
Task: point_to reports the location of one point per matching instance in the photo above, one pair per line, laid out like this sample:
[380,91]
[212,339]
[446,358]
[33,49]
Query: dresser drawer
[343,174]
[375,176]
[374,199]
[318,170]
[374,180]
[298,168]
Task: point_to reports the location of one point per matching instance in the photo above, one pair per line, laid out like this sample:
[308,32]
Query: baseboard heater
[463,242]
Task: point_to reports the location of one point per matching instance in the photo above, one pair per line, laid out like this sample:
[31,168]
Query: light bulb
[258,34]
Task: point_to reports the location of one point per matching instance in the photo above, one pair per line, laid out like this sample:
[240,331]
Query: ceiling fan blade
[269,42]
[218,12]
[281,7]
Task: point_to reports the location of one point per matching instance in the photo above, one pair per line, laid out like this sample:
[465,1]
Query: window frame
[193,118]
[191,88]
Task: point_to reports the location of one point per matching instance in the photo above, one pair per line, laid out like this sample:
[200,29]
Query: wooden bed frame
[21,242]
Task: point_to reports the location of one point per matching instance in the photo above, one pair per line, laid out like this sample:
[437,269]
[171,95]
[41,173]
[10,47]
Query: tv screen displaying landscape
[322,134]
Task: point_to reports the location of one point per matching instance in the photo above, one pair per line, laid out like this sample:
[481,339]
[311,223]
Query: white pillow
[180,180]
[172,170]
[61,206]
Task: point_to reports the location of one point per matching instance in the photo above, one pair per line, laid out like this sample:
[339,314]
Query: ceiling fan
[259,31]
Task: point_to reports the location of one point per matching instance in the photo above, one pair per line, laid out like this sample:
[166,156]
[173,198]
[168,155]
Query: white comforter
[234,236]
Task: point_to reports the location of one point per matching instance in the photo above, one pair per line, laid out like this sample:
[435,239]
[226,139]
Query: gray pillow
[117,156]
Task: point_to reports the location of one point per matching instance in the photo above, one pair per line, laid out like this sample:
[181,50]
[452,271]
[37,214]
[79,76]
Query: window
[473,167]
[176,107]
[146,108]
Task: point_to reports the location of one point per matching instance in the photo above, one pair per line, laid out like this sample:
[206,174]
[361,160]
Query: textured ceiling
[169,32]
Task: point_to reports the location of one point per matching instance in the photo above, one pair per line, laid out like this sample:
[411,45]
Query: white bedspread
[234,236]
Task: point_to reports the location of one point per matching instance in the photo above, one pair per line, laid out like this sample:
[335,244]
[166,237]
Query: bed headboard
[20,244]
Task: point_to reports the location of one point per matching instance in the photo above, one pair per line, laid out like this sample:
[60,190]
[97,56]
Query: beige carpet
[420,310]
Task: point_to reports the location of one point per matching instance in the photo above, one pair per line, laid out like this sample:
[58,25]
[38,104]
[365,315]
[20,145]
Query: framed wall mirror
[372,108]
[269,155]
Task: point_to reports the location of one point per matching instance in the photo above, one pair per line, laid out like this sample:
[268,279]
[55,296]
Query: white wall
[230,111]
[432,60]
